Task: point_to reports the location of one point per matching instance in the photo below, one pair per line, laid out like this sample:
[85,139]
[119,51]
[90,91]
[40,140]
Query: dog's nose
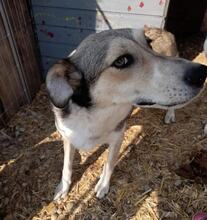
[196,76]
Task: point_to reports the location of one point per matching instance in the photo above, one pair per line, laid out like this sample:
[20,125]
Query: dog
[162,42]
[94,89]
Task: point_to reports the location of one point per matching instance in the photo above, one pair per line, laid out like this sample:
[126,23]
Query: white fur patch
[89,128]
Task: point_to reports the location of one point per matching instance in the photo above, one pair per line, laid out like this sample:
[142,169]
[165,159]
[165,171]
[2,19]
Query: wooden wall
[12,88]
[11,92]
[61,25]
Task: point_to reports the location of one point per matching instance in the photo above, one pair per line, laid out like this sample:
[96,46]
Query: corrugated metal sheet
[61,25]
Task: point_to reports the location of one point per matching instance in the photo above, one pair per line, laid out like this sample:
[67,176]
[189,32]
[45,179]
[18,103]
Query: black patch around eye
[123,61]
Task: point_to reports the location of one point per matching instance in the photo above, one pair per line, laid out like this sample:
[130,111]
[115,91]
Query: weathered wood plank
[3,33]
[23,33]
[146,7]
[61,34]
[82,19]
[47,62]
[55,50]
[11,89]
[11,92]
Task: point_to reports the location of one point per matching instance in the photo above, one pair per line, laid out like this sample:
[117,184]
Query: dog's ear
[146,28]
[61,82]
[141,37]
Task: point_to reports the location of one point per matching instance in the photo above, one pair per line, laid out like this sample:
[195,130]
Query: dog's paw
[169,117]
[101,188]
[61,190]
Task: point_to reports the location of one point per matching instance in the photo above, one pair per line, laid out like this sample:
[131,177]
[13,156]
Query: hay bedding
[144,184]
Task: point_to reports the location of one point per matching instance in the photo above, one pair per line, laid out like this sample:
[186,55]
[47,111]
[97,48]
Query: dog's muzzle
[193,78]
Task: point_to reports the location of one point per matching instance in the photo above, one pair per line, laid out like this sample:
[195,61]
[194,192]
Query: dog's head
[117,67]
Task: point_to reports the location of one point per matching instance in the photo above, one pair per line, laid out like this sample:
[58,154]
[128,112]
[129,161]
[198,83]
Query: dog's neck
[81,125]
[97,114]
[74,108]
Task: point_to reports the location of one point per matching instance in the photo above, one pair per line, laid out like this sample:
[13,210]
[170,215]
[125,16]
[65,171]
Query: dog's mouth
[145,103]
[149,103]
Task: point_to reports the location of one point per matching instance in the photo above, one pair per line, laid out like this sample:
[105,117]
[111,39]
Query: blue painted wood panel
[47,62]
[61,25]
[61,34]
[55,50]
[83,19]
[65,17]
[146,7]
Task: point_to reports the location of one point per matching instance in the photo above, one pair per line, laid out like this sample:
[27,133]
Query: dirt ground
[144,184]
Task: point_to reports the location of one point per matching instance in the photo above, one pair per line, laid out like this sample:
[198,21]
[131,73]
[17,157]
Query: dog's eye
[123,61]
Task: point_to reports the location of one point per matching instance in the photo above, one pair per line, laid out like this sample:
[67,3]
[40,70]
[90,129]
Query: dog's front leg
[102,187]
[170,116]
[63,187]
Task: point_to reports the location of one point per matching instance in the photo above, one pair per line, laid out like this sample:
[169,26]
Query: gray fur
[122,122]
[90,55]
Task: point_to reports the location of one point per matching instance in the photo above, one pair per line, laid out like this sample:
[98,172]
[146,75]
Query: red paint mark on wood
[50,34]
[129,8]
[141,4]
[161,2]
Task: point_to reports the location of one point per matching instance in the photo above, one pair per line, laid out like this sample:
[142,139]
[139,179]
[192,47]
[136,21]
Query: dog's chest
[86,129]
